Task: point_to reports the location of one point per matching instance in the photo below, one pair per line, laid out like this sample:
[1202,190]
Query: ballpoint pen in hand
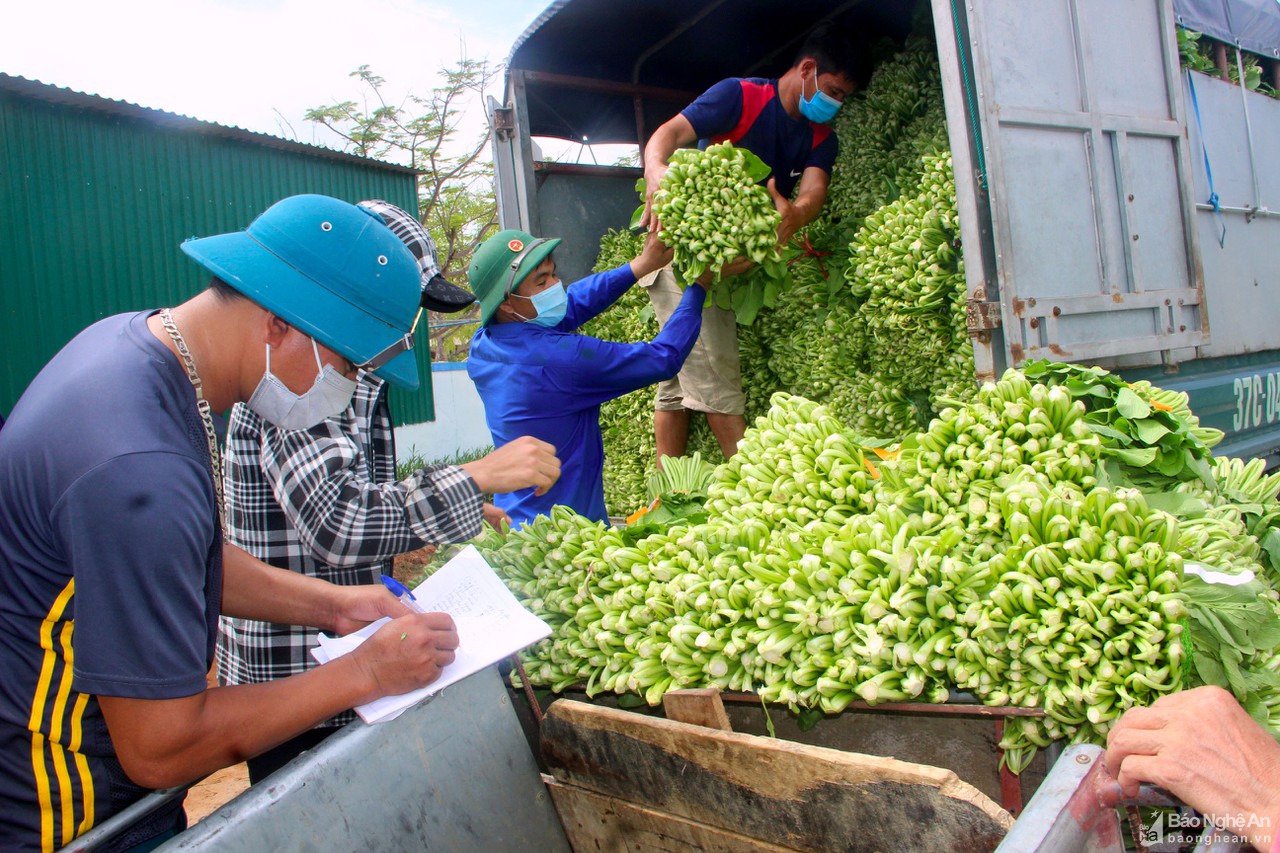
[402,592]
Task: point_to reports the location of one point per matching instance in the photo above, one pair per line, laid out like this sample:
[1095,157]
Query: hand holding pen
[402,592]
[403,655]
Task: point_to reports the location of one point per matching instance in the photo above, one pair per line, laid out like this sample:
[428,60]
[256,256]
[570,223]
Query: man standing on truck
[784,122]
[537,377]
[113,569]
[325,502]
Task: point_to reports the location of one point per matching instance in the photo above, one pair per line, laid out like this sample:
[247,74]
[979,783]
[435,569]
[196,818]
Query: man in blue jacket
[537,377]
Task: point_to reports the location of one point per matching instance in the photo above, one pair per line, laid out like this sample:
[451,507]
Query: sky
[255,64]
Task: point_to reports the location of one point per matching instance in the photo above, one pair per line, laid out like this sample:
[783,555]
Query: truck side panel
[1086,165]
[1242,276]
[582,207]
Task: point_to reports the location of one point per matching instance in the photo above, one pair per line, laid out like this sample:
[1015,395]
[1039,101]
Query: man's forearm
[444,487]
[163,743]
[377,521]
[808,206]
[647,262]
[660,147]
[339,513]
[251,589]
[805,209]
[675,133]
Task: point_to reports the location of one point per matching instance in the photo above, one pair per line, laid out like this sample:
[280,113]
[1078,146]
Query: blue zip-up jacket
[549,383]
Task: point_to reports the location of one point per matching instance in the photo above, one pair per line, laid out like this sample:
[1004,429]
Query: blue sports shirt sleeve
[824,155]
[717,110]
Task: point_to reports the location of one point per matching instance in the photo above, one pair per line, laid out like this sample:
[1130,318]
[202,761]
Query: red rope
[811,252]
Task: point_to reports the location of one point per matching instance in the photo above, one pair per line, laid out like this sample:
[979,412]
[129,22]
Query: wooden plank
[777,792]
[698,706]
[596,823]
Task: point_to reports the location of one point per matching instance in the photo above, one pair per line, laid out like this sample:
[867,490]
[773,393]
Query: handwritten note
[491,626]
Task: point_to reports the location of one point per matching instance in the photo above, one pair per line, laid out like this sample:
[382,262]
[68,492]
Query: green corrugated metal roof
[99,195]
[35,90]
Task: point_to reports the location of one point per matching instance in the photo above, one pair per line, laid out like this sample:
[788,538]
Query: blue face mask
[550,305]
[821,108]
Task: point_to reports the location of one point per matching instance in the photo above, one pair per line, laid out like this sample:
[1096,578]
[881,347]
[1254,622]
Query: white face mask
[275,403]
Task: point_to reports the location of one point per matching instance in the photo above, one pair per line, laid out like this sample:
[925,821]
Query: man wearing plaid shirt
[325,502]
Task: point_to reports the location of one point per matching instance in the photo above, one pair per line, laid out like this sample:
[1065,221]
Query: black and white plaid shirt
[324,502]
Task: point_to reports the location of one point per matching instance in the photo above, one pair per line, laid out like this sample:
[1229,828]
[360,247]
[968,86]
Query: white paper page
[335,647]
[491,625]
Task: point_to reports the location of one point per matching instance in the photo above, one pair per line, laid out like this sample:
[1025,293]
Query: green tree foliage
[456,199]
[1195,51]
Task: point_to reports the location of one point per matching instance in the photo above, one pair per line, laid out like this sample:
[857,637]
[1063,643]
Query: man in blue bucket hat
[113,570]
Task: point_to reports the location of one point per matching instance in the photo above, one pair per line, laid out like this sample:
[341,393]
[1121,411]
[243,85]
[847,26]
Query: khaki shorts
[711,378]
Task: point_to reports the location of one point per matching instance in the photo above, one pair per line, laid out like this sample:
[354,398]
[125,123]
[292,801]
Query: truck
[1111,205]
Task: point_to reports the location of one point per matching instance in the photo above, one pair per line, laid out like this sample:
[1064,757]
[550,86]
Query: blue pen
[402,592]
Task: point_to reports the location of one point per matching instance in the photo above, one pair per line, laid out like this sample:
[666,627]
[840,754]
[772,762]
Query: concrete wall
[459,424]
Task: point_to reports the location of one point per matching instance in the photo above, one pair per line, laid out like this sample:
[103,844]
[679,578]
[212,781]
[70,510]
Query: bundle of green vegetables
[982,555]
[677,494]
[1255,497]
[812,334]
[713,211]
[884,131]
[908,275]
[1151,436]
[797,465]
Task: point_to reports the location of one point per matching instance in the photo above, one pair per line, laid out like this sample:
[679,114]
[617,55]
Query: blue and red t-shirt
[747,112]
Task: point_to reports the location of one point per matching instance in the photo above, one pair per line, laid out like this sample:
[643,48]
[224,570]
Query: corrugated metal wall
[95,205]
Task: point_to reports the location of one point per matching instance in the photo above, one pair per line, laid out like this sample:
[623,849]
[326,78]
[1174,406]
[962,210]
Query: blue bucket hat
[332,270]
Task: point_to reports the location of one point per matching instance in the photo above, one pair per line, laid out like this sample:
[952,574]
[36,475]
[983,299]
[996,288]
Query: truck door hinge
[981,316]
[504,123]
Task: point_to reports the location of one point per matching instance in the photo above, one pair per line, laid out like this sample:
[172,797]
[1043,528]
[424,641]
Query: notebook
[491,625]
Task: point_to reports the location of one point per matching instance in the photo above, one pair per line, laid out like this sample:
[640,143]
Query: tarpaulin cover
[687,45]
[1252,24]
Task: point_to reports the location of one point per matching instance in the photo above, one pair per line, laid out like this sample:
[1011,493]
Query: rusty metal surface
[1078,809]
[981,316]
[1066,814]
